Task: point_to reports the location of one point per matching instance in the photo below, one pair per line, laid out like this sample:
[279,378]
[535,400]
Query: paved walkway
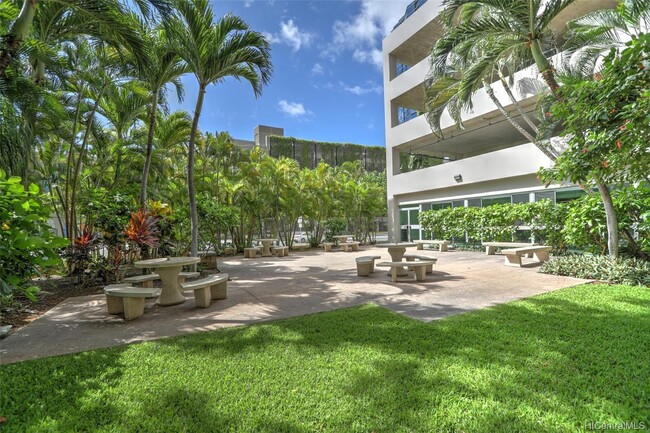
[272,288]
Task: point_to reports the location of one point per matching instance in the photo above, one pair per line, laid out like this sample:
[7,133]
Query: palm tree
[593,35]
[123,106]
[518,33]
[103,18]
[213,52]
[162,66]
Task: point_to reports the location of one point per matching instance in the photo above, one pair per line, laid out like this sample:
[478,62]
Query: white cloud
[292,108]
[363,33]
[248,3]
[271,38]
[359,90]
[291,35]
[372,56]
[317,69]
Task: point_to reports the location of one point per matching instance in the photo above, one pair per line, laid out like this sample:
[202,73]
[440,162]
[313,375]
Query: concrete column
[393,220]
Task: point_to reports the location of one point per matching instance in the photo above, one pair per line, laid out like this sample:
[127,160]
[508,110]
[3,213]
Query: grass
[550,363]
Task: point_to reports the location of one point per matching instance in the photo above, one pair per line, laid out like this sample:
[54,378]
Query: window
[458,203]
[437,206]
[520,198]
[496,200]
[474,202]
[405,114]
[564,196]
[546,195]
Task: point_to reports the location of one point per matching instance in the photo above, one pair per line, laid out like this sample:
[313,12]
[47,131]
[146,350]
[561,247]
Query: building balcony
[512,162]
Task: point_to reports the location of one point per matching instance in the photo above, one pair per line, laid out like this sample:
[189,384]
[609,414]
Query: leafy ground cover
[550,363]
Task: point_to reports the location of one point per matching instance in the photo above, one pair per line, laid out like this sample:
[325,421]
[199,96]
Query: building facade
[488,162]
[309,153]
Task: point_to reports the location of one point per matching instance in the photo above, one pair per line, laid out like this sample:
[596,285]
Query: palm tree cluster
[85,86]
[487,41]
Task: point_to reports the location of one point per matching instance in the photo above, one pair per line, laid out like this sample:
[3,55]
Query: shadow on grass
[549,363]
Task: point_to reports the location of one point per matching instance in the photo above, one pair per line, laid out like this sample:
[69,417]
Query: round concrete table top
[166,262]
[397,245]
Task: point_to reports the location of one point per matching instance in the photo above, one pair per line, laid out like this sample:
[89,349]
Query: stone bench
[442,245]
[281,251]
[491,247]
[251,253]
[208,288]
[366,265]
[143,280]
[413,257]
[123,298]
[419,268]
[209,258]
[513,255]
[350,246]
[328,246]
[300,246]
[185,275]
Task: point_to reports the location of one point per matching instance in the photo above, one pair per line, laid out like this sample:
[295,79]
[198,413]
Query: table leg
[397,254]
[266,249]
[170,293]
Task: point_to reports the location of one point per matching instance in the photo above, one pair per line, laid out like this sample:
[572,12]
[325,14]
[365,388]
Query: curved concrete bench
[281,251]
[328,246]
[350,246]
[419,268]
[442,245]
[491,247]
[413,257]
[122,298]
[513,255]
[251,253]
[143,280]
[366,265]
[208,288]
[183,276]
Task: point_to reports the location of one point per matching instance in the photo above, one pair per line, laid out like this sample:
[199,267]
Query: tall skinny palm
[214,51]
[161,66]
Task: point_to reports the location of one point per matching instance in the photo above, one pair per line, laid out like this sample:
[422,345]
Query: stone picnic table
[341,238]
[168,269]
[396,251]
[266,246]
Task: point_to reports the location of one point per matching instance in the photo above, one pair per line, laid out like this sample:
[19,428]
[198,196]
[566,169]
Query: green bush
[27,245]
[629,271]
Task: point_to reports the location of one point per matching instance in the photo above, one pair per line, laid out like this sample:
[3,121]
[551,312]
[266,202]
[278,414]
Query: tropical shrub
[333,227]
[628,271]
[27,245]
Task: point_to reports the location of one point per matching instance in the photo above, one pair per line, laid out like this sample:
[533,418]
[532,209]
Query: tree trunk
[517,126]
[77,170]
[17,34]
[70,159]
[149,151]
[544,66]
[194,221]
[612,220]
[514,101]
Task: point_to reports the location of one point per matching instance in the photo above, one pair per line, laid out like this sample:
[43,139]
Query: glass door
[409,224]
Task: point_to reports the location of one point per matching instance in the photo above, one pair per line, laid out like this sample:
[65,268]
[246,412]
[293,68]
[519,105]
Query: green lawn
[546,364]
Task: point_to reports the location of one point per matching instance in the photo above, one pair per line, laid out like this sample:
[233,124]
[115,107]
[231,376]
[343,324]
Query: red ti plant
[142,229]
[80,254]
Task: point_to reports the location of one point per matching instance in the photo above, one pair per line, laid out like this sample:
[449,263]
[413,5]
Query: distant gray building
[309,153]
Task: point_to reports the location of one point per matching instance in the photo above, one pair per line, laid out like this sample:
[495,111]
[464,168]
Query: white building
[488,162]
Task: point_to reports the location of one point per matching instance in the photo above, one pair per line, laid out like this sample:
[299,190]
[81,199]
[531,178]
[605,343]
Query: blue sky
[327,80]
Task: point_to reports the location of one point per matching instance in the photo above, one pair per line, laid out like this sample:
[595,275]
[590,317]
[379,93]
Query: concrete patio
[272,288]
